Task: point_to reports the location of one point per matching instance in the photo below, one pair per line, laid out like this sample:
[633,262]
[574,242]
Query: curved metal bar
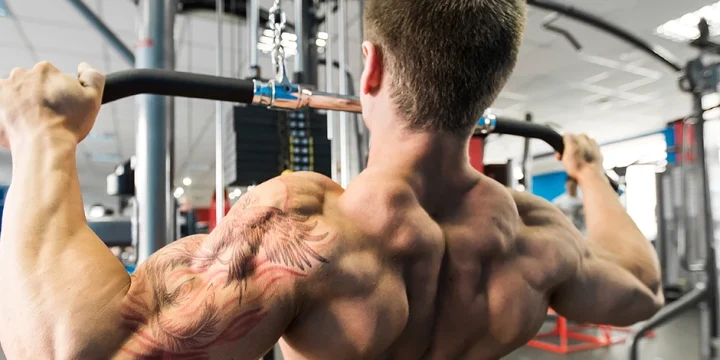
[655,51]
[666,314]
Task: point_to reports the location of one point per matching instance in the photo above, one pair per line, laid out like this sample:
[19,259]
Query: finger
[570,140]
[91,78]
[45,66]
[584,141]
[16,73]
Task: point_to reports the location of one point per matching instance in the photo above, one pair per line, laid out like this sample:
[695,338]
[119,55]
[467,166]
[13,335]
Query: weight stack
[269,142]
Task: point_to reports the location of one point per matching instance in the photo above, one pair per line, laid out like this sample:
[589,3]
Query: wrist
[44,139]
[591,173]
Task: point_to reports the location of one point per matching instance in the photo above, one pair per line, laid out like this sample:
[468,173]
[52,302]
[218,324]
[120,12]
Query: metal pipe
[668,313]
[105,31]
[570,11]
[169,51]
[151,150]
[527,159]
[301,41]
[345,156]
[253,16]
[219,166]
[710,265]
[330,86]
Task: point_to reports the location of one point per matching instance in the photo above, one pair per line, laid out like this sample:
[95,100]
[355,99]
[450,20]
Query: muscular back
[373,272]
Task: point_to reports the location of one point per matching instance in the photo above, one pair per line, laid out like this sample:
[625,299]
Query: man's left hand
[43,99]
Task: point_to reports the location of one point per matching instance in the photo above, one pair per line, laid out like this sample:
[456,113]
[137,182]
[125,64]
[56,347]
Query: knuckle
[44,66]
[16,72]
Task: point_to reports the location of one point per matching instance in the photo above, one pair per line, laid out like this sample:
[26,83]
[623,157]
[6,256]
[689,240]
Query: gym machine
[700,78]
[681,240]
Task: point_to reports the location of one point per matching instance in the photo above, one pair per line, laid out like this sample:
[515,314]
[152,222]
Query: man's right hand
[582,156]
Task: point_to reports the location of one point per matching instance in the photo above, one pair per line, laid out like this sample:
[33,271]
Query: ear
[373,73]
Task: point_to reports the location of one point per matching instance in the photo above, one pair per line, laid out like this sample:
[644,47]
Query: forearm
[610,226]
[60,282]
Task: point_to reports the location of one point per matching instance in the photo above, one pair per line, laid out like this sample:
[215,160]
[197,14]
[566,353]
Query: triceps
[216,289]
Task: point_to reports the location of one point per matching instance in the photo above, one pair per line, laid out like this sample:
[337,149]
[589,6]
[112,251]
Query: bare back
[460,283]
[367,273]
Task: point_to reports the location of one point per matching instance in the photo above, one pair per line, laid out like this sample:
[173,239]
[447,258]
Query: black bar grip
[537,131]
[122,84]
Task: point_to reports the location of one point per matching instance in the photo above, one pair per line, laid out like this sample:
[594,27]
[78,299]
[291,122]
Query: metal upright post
[708,223]
[169,50]
[695,74]
[150,173]
[302,41]
[253,21]
[330,88]
[306,27]
[219,160]
[345,155]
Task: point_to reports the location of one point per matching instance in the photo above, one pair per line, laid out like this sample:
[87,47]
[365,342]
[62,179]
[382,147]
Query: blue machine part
[549,186]
[3,192]
[130,269]
[669,133]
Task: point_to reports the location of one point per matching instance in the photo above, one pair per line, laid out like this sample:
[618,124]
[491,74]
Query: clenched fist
[44,99]
[582,155]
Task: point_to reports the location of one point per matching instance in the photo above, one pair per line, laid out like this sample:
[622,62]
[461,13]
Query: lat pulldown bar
[283,96]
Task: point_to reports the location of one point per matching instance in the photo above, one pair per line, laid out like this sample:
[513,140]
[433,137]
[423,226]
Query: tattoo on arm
[195,293]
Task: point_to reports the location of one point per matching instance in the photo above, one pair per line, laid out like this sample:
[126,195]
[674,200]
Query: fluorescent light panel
[685,28]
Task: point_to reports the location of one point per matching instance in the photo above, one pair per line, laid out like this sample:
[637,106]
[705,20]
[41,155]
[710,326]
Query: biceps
[604,293]
[182,303]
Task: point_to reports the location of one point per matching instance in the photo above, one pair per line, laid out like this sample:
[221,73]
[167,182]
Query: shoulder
[550,248]
[380,203]
[302,192]
[536,211]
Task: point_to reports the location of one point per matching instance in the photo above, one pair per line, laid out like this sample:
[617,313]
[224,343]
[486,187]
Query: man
[571,204]
[420,258]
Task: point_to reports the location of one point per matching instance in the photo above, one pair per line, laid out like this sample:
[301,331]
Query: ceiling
[608,89]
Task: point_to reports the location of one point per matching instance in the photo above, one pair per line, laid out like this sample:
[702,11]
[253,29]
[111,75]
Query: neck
[428,160]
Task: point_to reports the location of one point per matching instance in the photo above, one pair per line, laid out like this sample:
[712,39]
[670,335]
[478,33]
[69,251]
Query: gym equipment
[283,96]
[113,230]
[698,79]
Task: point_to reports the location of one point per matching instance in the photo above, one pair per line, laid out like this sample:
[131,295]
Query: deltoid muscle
[195,293]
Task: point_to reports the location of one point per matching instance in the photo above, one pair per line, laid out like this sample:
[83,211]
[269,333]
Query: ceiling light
[179,192]
[685,28]
[320,42]
[266,40]
[187,181]
[269,33]
[323,35]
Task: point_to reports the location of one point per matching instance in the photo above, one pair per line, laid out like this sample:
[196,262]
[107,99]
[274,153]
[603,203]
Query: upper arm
[584,281]
[602,292]
[234,291]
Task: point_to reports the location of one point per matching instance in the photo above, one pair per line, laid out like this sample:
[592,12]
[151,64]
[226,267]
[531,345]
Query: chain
[277,22]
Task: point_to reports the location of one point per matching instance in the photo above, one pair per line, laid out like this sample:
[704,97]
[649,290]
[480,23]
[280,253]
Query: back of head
[448,59]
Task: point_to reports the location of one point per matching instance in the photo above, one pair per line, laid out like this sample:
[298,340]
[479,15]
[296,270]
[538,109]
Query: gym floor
[676,340]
